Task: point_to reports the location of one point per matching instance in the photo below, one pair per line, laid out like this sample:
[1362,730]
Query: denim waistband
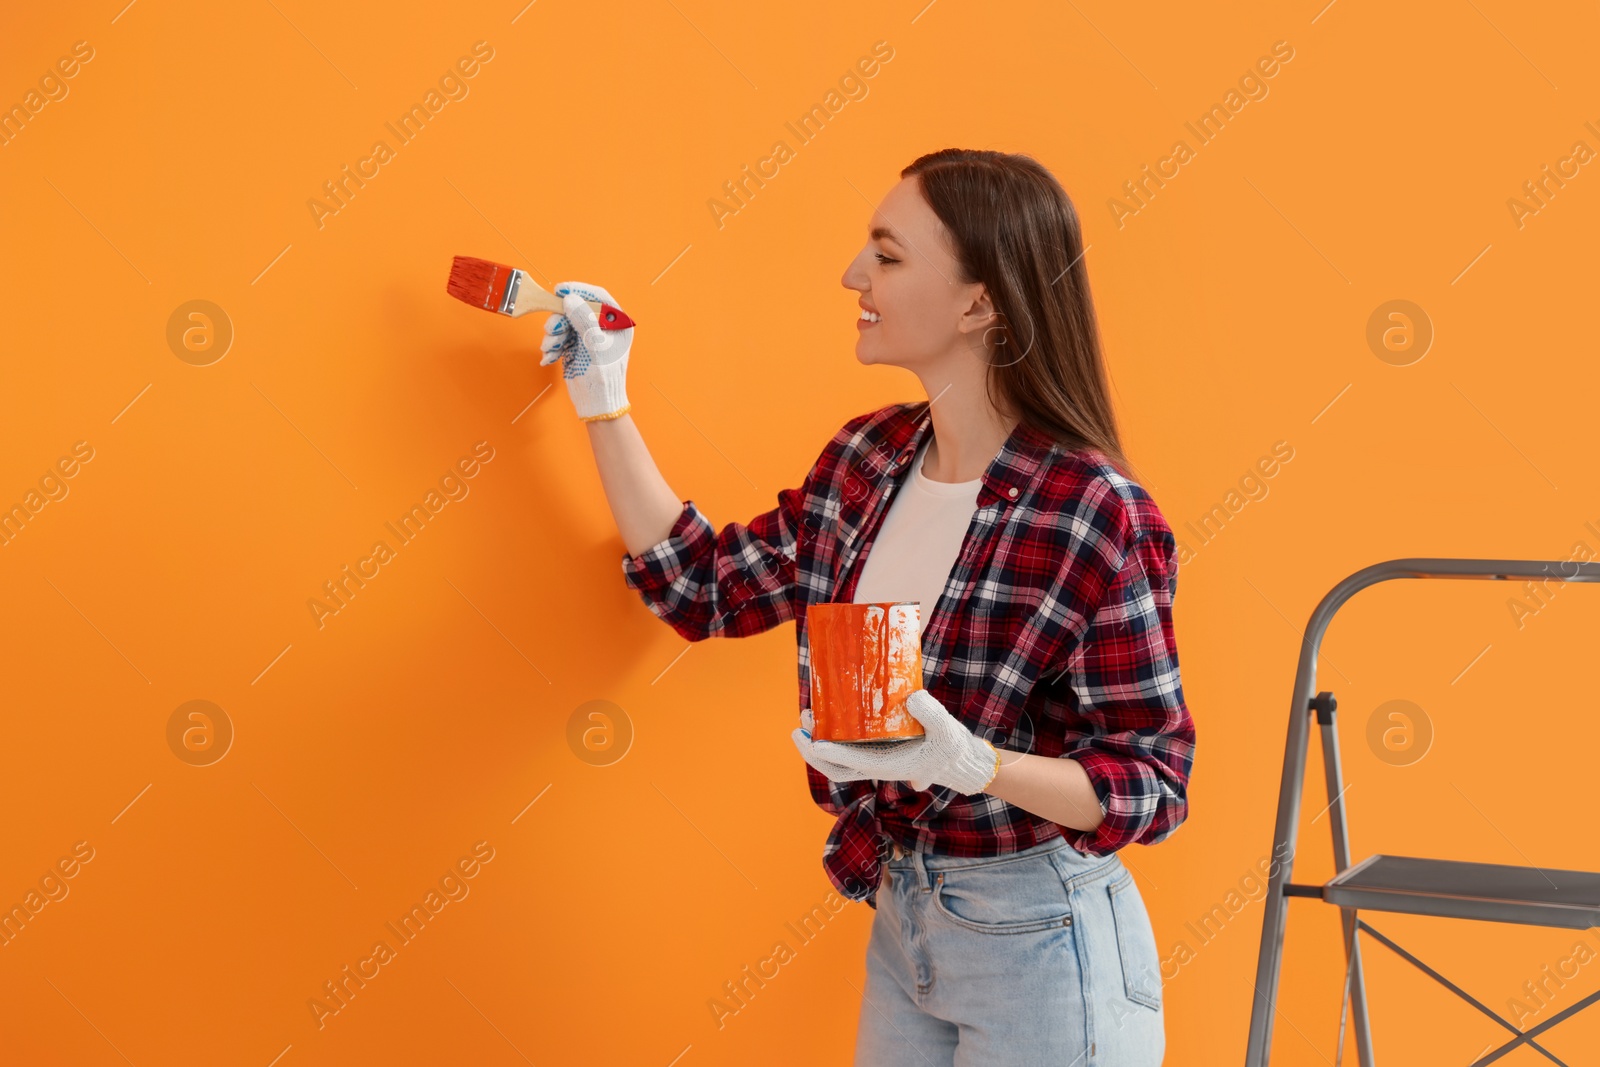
[932,861]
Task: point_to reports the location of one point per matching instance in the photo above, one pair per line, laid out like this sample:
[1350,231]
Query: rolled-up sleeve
[729,583]
[653,571]
[1123,675]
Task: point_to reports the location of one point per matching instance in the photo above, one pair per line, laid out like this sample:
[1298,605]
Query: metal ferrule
[509,302]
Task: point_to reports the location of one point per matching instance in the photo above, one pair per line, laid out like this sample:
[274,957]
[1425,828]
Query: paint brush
[509,291]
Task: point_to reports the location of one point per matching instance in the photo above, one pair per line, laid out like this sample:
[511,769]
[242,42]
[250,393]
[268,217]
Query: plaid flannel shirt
[1053,634]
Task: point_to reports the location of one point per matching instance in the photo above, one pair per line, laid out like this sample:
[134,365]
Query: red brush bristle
[478,282]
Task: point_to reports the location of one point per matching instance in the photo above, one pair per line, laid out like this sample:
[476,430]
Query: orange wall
[610,903]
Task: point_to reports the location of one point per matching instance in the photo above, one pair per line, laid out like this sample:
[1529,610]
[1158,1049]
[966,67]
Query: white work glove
[594,362]
[834,772]
[947,754]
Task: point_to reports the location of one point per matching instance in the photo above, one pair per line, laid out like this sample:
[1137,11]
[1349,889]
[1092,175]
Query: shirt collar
[1008,475]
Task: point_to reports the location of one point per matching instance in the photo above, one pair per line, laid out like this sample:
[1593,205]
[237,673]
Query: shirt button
[1012,492]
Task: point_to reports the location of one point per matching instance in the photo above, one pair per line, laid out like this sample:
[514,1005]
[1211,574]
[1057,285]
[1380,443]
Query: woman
[1007,930]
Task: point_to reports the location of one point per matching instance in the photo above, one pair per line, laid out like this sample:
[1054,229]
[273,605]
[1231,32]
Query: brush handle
[531,296]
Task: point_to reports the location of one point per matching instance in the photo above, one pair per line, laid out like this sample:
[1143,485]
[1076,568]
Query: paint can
[866,659]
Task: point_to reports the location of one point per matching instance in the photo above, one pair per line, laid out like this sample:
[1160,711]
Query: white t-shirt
[916,548]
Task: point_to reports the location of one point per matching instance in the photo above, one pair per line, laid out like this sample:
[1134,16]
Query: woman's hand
[594,362]
[832,771]
[948,754]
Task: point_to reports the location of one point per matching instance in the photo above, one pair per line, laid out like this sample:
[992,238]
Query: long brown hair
[1014,229]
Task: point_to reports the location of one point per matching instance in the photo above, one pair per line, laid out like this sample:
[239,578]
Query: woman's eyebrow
[879,233]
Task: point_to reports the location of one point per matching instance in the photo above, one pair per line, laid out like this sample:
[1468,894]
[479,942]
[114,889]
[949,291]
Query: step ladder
[1487,892]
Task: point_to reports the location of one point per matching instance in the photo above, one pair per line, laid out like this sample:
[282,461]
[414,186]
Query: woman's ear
[981,313]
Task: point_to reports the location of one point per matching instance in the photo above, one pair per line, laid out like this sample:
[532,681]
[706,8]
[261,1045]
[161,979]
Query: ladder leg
[1344,1013]
[1358,989]
[1327,720]
[1269,960]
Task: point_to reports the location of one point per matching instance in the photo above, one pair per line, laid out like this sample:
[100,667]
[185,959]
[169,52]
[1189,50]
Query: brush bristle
[478,282]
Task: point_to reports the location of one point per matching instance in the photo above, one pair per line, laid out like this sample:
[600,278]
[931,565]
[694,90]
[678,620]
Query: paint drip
[866,659]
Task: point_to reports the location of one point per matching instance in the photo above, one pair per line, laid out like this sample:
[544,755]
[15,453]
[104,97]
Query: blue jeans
[1039,957]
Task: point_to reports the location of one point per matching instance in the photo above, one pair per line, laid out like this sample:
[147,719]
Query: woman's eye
[885,259]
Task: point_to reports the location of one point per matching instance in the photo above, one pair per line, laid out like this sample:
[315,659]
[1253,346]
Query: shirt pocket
[1136,943]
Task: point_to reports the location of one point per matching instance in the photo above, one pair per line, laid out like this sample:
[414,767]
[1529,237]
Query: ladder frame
[1305,703]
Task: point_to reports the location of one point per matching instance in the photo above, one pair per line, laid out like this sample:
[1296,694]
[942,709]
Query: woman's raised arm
[594,365]
[642,502]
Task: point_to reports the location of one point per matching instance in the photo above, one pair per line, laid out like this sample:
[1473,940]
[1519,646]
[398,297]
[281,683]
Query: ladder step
[1490,892]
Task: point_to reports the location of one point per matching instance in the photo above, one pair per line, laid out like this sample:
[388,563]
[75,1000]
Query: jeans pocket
[1136,943]
[1016,896]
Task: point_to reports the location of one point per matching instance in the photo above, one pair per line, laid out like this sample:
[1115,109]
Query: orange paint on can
[866,659]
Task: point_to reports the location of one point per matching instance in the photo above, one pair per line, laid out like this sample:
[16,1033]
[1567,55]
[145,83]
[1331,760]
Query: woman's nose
[853,278]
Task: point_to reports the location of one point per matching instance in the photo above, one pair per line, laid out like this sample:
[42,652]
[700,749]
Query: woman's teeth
[871,316]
